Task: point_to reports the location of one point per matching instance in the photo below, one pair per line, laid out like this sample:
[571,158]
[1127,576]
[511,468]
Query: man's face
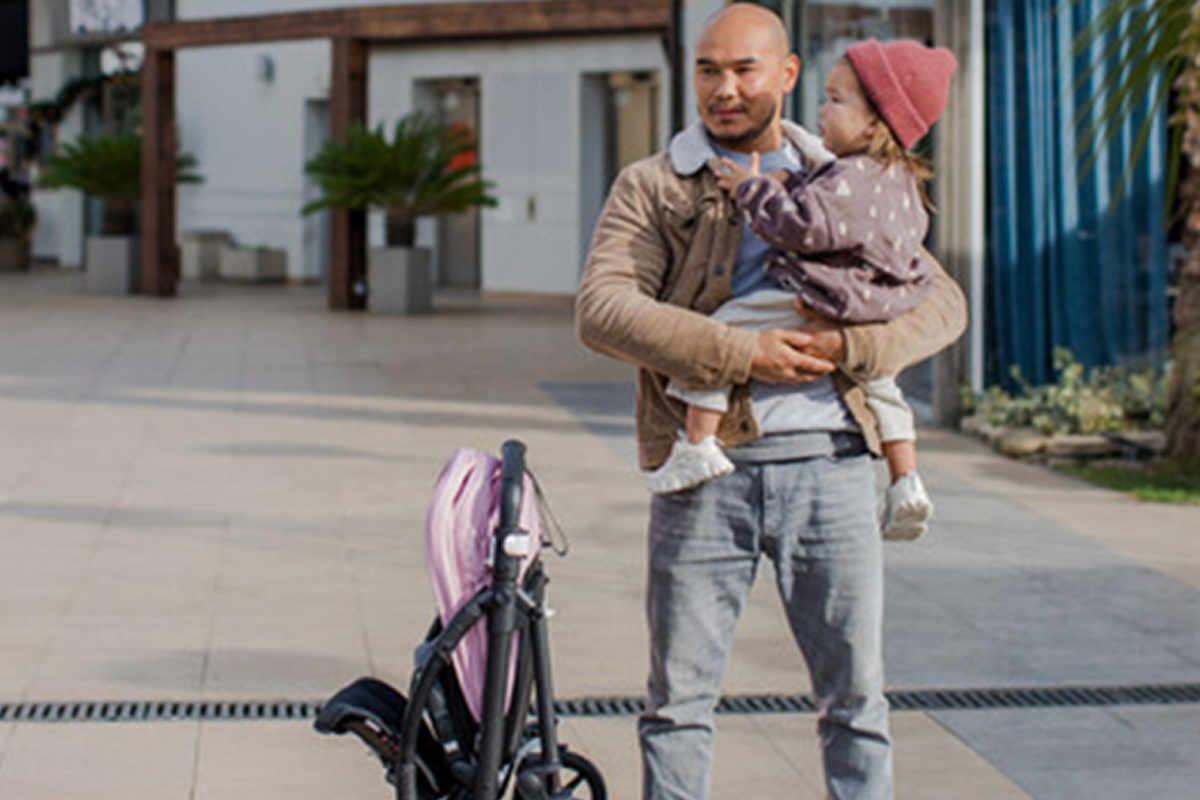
[742,73]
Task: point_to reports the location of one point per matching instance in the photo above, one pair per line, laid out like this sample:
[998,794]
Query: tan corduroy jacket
[661,262]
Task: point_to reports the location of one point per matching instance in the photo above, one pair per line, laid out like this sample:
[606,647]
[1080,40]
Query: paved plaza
[220,497]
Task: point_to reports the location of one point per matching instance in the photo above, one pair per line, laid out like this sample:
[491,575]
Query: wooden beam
[348,229]
[351,31]
[425,23]
[160,256]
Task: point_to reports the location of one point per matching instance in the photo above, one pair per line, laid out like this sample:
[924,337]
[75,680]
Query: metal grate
[900,700]
[156,711]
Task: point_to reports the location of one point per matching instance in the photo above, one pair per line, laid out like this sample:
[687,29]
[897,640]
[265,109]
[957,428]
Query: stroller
[479,718]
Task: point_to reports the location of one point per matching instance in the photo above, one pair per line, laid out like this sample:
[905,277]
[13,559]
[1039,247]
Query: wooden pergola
[351,32]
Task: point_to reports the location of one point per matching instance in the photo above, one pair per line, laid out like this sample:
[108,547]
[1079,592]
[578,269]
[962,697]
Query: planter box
[200,254]
[15,254]
[114,265]
[399,281]
[253,264]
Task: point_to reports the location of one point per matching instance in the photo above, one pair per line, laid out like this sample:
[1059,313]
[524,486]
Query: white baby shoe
[690,465]
[908,509]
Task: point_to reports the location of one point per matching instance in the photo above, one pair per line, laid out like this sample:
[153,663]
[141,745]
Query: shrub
[423,169]
[1080,401]
[109,167]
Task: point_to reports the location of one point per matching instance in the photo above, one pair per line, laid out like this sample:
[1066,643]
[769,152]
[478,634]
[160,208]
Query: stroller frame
[504,744]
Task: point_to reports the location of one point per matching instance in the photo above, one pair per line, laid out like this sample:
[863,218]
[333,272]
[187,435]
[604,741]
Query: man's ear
[791,72]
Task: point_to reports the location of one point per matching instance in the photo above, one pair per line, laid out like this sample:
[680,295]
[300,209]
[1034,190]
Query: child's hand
[729,174]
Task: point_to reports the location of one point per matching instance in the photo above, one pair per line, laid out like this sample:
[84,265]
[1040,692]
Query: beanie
[907,81]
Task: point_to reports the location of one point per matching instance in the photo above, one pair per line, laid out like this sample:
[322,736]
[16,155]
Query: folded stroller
[479,717]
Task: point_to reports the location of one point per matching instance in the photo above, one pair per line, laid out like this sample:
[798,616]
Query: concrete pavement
[221,497]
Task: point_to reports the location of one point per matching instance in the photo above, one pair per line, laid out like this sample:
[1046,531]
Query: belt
[800,446]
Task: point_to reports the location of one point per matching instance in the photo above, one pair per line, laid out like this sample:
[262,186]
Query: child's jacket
[848,237]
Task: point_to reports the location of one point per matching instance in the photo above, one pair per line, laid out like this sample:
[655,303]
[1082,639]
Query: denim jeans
[815,519]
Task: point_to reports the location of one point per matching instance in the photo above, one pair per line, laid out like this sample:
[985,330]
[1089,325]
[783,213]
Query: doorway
[620,126]
[316,226]
[455,104]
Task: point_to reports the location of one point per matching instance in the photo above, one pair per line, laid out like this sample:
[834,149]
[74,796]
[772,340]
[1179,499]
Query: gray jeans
[816,520]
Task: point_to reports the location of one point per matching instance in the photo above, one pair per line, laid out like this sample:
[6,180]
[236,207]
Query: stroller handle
[512,477]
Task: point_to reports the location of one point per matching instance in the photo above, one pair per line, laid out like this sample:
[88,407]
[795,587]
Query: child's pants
[776,308]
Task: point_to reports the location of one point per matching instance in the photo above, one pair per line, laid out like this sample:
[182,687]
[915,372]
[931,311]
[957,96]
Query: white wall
[212,9]
[530,141]
[248,137]
[59,232]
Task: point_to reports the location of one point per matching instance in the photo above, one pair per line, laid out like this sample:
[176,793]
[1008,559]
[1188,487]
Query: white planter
[200,254]
[114,264]
[253,264]
[399,281]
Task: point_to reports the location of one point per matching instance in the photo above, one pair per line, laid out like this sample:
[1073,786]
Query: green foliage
[426,169]
[17,218]
[107,166]
[76,89]
[1154,483]
[1101,400]
[1137,50]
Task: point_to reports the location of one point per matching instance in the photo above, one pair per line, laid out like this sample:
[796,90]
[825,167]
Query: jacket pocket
[689,239]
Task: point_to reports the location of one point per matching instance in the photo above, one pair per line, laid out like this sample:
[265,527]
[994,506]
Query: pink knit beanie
[907,81]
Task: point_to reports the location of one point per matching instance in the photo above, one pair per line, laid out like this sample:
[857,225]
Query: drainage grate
[156,711]
[901,700]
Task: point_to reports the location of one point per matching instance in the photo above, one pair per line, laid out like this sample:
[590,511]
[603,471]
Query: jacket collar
[691,149]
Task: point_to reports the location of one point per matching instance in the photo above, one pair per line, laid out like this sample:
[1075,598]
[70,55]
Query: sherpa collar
[690,149]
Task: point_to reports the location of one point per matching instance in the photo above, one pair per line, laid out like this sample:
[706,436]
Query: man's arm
[618,313]
[879,349]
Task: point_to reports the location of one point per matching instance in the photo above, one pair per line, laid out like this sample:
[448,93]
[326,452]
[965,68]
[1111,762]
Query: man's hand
[827,339]
[788,356]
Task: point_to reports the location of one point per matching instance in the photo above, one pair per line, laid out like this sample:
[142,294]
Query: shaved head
[744,68]
[747,19]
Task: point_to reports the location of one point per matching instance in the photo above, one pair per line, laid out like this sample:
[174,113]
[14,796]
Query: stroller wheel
[578,779]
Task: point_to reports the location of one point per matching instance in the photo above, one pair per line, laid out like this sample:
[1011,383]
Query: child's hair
[885,148]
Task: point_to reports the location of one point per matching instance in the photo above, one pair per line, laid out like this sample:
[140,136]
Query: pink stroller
[469,731]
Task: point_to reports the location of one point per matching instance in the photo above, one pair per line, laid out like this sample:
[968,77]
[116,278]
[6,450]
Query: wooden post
[160,256]
[348,229]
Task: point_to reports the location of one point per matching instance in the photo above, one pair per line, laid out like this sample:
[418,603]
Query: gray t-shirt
[783,408]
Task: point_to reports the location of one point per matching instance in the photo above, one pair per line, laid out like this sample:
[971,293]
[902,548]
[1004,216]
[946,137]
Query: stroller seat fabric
[463,512]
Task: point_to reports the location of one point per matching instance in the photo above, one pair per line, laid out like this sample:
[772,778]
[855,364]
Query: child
[847,241]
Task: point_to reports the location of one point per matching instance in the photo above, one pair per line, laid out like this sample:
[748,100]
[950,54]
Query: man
[668,249]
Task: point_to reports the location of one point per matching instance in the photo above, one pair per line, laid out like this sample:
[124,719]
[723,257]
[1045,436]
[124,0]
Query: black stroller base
[374,712]
[429,743]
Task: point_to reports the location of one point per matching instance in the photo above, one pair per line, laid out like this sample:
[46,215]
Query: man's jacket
[661,261]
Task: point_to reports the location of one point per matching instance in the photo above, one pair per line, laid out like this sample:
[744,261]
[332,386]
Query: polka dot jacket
[847,237]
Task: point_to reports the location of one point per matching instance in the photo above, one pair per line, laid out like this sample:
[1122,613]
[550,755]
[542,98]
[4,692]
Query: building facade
[558,115]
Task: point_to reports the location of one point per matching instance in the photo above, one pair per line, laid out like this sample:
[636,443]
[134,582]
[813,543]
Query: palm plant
[1156,44]
[109,167]
[427,169]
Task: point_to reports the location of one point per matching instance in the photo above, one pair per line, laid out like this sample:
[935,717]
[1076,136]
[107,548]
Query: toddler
[847,241]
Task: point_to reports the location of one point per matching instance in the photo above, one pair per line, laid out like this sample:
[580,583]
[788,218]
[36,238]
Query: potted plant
[17,218]
[425,169]
[109,166]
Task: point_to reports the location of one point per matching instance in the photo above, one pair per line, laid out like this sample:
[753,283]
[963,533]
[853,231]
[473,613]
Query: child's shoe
[690,465]
[908,509]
